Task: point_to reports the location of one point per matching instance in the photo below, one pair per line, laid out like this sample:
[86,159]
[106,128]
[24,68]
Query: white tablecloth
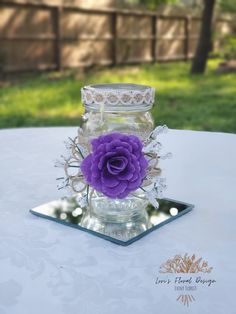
[49,268]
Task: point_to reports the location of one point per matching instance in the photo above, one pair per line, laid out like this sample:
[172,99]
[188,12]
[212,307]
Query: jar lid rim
[118,87]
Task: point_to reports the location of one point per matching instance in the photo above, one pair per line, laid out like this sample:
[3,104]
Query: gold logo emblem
[185,299]
[186,264]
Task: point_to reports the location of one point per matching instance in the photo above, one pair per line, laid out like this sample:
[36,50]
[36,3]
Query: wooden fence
[40,37]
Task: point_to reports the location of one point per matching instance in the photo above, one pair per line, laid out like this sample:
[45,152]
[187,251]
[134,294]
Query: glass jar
[122,108]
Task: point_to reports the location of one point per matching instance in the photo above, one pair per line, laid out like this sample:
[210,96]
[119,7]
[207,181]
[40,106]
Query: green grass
[205,102]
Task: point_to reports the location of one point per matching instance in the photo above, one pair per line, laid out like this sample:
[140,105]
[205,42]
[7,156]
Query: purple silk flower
[116,165]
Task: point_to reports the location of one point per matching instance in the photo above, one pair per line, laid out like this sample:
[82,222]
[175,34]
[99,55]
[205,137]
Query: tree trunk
[204,43]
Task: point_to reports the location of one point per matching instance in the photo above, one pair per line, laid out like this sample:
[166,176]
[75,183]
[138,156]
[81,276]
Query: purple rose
[116,165]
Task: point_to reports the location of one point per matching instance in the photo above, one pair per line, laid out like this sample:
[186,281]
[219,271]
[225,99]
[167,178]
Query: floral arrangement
[114,164]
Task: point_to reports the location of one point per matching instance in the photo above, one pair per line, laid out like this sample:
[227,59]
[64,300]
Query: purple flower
[116,165]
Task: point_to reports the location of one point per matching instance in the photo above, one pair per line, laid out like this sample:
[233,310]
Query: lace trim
[125,97]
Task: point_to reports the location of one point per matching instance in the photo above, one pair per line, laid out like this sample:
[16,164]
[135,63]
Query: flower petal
[123,194]
[95,143]
[95,172]
[135,177]
[127,174]
[108,180]
[117,164]
[135,184]
[104,158]
[122,151]
[135,163]
[111,145]
[96,184]
[114,192]
[143,166]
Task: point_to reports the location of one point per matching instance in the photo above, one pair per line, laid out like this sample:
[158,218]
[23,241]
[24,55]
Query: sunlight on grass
[185,102]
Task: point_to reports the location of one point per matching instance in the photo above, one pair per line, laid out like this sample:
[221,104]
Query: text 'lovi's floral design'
[116,166]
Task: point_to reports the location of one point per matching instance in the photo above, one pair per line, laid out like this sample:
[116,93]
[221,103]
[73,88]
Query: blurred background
[186,49]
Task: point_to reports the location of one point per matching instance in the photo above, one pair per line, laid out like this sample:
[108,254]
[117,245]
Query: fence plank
[114,38]
[154,38]
[57,24]
[186,41]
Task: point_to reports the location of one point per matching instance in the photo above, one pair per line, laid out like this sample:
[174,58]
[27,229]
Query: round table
[49,268]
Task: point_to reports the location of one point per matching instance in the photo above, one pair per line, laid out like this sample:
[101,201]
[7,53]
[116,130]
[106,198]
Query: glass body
[97,123]
[123,217]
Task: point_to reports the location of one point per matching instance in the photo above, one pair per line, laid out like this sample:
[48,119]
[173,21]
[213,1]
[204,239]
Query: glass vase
[123,108]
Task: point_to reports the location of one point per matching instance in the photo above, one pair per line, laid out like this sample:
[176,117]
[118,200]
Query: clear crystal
[152,198]
[62,184]
[166,156]
[153,146]
[158,130]
[82,200]
[159,187]
[68,144]
[80,131]
[59,163]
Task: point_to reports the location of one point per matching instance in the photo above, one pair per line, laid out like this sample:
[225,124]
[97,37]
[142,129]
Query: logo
[185,274]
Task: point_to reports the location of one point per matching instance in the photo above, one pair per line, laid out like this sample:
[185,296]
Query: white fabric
[49,268]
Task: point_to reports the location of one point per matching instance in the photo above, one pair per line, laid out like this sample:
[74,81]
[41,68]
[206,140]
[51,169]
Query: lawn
[205,102]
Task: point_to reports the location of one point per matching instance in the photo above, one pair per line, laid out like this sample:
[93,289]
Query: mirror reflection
[67,211]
